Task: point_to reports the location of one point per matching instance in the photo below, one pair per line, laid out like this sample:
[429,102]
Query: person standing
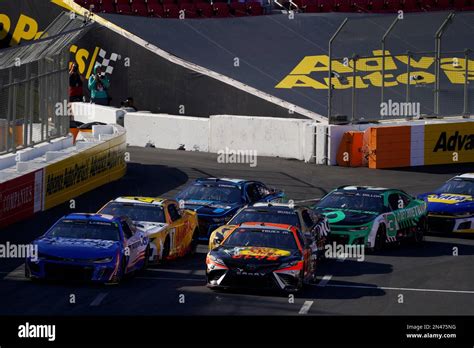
[98,85]
[75,91]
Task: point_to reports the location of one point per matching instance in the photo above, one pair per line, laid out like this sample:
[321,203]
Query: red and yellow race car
[261,255]
[173,232]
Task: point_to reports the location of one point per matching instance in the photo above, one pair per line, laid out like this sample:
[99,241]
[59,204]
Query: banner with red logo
[21,197]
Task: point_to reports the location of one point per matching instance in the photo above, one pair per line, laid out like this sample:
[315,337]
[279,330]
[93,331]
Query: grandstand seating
[236,8]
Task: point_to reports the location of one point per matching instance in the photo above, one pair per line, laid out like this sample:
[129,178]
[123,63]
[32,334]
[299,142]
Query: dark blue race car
[89,247]
[216,200]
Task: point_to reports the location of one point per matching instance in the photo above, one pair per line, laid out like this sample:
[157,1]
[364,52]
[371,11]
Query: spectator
[128,103]
[98,85]
[75,91]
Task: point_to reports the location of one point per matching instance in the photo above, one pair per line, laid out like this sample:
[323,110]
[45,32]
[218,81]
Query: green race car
[373,216]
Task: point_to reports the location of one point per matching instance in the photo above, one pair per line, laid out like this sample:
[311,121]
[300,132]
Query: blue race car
[216,200]
[89,247]
[451,207]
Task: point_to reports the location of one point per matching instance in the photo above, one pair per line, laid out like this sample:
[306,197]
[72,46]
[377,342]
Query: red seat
[254,8]
[82,3]
[123,9]
[342,5]
[189,10]
[376,5]
[203,9]
[221,10]
[238,9]
[410,5]
[139,8]
[107,6]
[322,6]
[360,5]
[155,9]
[393,5]
[171,10]
[442,4]
[165,2]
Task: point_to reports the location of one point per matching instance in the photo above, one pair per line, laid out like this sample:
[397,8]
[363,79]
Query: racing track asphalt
[431,280]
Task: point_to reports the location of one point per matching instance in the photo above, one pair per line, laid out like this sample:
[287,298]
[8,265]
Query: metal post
[466,83]
[13,115]
[438,36]
[32,108]
[9,109]
[330,67]
[27,107]
[407,97]
[354,60]
[390,28]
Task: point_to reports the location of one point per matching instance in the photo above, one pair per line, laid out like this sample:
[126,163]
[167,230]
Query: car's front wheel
[419,233]
[380,239]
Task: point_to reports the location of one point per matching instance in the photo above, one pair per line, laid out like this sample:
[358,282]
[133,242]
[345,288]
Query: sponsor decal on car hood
[150,227]
[448,198]
[348,217]
[77,248]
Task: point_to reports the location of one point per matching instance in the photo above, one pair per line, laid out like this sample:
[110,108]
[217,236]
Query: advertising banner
[449,143]
[84,171]
[21,197]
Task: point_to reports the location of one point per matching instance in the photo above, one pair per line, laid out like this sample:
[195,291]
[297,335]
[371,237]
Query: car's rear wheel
[419,234]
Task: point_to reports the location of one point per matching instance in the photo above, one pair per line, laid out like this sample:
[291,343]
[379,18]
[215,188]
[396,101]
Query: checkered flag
[105,63]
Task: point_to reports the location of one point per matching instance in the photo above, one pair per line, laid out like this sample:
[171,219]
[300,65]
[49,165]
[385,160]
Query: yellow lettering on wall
[422,63]
[26,29]
[458,77]
[319,63]
[426,78]
[375,63]
[347,83]
[5,24]
[459,65]
[375,79]
[291,81]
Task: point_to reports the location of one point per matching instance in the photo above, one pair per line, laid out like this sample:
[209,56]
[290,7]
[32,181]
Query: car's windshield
[287,217]
[458,186]
[135,211]
[353,201]
[85,229]
[214,193]
[248,237]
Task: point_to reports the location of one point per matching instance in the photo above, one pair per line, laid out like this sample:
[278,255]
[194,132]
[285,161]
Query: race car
[451,207]
[217,200]
[89,247]
[373,216]
[260,255]
[312,225]
[172,231]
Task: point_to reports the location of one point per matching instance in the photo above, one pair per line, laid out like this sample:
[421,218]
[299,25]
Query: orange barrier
[349,153]
[389,147]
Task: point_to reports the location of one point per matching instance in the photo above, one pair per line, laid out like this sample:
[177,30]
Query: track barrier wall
[42,179]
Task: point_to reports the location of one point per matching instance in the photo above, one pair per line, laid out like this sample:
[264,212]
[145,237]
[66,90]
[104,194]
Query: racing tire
[380,239]
[194,242]
[419,235]
[166,250]
[146,261]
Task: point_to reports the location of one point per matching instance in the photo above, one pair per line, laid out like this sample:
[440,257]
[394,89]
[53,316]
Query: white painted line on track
[324,281]
[98,300]
[399,289]
[17,274]
[306,306]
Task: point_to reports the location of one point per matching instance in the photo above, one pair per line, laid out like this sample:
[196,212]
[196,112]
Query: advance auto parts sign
[85,171]
[449,143]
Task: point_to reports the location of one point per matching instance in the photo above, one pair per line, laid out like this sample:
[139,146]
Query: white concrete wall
[87,112]
[167,131]
[276,137]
